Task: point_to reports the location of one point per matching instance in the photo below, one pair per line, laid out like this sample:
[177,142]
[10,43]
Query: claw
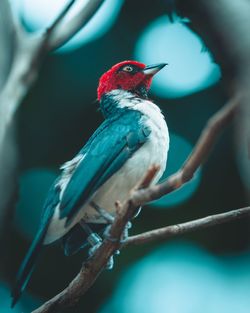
[125,232]
[93,249]
[110,263]
[107,236]
[94,239]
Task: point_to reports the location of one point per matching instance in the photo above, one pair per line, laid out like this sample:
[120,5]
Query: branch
[98,262]
[143,193]
[21,57]
[65,30]
[199,154]
[60,16]
[10,30]
[167,232]
[7,34]
[43,40]
[30,50]
[212,20]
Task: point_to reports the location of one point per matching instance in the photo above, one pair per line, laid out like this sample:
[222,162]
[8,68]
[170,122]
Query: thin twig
[10,25]
[59,18]
[44,42]
[97,263]
[65,30]
[148,177]
[170,231]
[199,154]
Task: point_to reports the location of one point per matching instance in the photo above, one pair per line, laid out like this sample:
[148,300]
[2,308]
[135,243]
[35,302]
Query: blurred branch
[6,39]
[167,232]
[224,26]
[9,30]
[64,12]
[30,50]
[67,29]
[142,194]
[22,55]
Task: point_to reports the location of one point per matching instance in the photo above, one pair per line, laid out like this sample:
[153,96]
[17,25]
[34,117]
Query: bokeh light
[179,150]
[39,14]
[34,185]
[183,278]
[190,69]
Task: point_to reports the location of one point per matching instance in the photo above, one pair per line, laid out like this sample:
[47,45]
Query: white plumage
[118,187]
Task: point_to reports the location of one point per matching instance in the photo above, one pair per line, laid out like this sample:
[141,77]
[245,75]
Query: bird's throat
[141,91]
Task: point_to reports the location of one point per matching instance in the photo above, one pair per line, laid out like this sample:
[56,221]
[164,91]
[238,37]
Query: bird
[133,137]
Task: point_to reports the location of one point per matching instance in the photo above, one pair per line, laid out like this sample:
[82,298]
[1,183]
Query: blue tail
[29,261]
[27,266]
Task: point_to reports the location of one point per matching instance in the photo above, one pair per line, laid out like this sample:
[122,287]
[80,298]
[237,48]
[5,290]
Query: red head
[128,75]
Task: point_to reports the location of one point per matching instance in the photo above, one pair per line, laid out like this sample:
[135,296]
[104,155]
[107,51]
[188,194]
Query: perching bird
[133,137]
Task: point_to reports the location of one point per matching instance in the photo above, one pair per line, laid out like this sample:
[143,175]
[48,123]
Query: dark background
[54,122]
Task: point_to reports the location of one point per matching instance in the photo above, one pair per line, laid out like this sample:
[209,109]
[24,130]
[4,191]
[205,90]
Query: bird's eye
[127,68]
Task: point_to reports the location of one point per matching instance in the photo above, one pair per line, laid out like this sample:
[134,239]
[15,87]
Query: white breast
[119,186]
[153,152]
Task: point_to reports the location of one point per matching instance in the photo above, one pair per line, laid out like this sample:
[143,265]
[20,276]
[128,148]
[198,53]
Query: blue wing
[105,154]
[107,150]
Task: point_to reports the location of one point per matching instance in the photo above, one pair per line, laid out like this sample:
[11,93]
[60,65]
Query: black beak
[153,69]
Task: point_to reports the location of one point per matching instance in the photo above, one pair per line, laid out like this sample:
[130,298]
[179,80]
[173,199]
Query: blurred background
[206,271]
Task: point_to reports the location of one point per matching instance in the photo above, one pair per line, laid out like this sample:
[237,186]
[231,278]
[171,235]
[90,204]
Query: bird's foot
[126,230]
[110,263]
[124,237]
[93,248]
[95,241]
[137,211]
[107,236]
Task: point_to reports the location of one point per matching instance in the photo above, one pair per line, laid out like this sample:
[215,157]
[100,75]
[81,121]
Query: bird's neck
[118,101]
[141,91]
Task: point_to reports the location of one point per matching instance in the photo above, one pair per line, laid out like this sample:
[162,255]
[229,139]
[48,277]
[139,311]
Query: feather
[106,154]
[31,257]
